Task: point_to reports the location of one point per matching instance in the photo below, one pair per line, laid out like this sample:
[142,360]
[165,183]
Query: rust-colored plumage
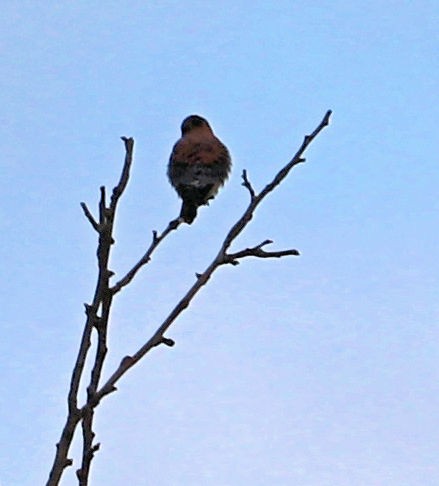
[199,165]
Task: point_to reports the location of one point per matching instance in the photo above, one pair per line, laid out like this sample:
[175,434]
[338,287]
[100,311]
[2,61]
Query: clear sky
[321,370]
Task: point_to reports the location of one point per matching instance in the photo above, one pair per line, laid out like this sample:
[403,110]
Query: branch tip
[168,342]
[265,243]
[157,340]
[247,184]
[89,216]
[96,447]
[129,142]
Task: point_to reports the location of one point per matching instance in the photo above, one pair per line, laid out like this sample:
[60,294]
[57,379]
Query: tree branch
[90,217]
[101,295]
[222,258]
[246,183]
[156,240]
[258,252]
[123,181]
[107,215]
[98,312]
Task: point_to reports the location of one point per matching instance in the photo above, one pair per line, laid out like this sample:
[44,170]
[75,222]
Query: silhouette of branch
[101,302]
[258,252]
[246,183]
[156,240]
[90,217]
[222,258]
[98,312]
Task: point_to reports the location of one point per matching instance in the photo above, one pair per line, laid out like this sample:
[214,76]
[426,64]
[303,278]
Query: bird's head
[192,122]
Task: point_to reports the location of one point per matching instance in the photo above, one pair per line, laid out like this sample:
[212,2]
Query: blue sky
[314,371]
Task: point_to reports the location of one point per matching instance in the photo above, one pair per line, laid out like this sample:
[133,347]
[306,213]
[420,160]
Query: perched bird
[199,165]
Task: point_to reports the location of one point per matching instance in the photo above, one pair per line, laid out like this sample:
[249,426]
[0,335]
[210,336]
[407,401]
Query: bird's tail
[188,211]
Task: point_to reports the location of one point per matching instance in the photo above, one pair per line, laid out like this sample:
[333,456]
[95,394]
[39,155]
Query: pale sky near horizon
[320,370]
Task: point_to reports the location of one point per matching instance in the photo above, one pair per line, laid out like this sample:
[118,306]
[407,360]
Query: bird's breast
[200,152]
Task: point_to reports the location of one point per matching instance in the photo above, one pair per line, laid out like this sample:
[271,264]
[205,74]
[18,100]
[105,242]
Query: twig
[258,252]
[246,183]
[123,181]
[280,176]
[156,240]
[89,216]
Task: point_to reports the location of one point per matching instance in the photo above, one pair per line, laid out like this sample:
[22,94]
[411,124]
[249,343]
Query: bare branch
[101,300]
[90,217]
[246,183]
[123,181]
[221,259]
[156,240]
[98,312]
[105,242]
[157,337]
[280,176]
[258,252]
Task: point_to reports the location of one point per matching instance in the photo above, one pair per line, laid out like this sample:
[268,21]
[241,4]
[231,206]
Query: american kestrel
[199,165]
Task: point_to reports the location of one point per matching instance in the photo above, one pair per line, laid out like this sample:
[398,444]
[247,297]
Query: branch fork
[258,252]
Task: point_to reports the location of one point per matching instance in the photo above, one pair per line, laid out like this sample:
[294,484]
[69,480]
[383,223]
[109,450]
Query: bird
[198,166]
